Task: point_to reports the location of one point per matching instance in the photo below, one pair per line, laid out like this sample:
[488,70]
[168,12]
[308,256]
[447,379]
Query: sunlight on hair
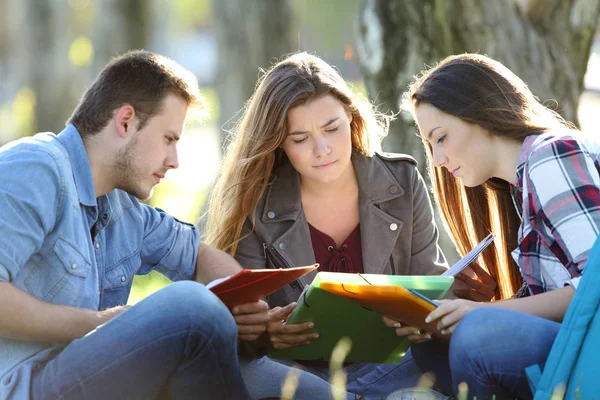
[81,52]
[290,384]
[336,365]
[463,391]
[559,392]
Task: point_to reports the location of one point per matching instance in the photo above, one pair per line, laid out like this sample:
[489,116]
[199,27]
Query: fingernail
[417,332]
[307,343]
[315,336]
[311,325]
[427,336]
[397,325]
[444,331]
[427,320]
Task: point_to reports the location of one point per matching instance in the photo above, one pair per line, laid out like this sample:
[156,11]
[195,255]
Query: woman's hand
[482,287]
[449,313]
[412,333]
[285,336]
[251,319]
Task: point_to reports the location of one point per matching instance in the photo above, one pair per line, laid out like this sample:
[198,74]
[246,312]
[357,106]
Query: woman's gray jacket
[397,228]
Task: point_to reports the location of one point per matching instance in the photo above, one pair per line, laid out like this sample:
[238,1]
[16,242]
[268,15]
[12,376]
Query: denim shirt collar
[82,172]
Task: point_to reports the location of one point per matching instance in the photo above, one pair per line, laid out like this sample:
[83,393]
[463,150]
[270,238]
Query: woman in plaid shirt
[501,161]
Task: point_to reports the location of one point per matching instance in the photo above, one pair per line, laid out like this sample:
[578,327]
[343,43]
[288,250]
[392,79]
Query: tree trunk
[41,52]
[545,42]
[250,35]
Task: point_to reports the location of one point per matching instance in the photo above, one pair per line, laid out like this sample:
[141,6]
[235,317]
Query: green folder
[335,317]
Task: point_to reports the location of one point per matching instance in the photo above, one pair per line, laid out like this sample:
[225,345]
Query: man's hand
[285,336]
[480,287]
[251,319]
[40,321]
[412,333]
[449,313]
[110,313]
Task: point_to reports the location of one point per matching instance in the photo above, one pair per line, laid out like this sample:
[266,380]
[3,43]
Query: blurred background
[51,50]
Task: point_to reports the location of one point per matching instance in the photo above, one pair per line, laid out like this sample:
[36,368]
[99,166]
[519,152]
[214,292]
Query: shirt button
[394,189]
[97,245]
[393,226]
[282,246]
[271,214]
[73,266]
[123,279]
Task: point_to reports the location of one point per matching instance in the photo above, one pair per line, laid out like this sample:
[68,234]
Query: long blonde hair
[254,149]
[482,91]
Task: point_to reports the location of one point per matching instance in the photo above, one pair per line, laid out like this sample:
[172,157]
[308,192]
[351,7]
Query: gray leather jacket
[398,232]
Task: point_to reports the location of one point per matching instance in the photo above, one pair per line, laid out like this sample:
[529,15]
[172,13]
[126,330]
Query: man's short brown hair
[139,78]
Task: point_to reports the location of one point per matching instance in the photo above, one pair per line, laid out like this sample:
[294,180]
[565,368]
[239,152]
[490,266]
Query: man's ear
[125,121]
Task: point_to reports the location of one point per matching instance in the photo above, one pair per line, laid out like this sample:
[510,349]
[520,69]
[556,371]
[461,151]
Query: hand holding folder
[335,317]
[407,306]
[250,285]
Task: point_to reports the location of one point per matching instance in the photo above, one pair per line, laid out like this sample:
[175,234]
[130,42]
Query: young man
[73,236]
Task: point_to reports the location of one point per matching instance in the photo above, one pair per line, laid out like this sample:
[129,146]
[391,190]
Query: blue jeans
[177,343]
[265,376]
[489,350]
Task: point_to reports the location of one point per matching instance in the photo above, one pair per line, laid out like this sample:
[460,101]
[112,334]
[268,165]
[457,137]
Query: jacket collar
[375,181]
[379,229]
[82,172]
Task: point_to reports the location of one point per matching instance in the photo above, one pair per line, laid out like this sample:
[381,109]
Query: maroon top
[348,258]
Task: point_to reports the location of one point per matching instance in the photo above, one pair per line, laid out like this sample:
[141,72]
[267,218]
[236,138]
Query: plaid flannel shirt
[558,193]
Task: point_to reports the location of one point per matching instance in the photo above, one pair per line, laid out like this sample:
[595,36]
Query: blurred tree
[65,45]
[250,35]
[545,42]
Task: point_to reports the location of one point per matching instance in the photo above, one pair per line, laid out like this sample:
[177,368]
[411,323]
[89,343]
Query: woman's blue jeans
[178,343]
[264,378]
[489,350]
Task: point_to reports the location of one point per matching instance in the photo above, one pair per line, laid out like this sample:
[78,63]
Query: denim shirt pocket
[60,278]
[118,279]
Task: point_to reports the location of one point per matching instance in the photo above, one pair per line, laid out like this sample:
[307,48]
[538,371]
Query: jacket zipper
[392,264]
[391,257]
[278,262]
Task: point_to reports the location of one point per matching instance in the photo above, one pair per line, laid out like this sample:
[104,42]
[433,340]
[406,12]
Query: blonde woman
[302,182]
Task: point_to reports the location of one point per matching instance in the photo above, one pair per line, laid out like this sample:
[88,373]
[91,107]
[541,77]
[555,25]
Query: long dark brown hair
[484,92]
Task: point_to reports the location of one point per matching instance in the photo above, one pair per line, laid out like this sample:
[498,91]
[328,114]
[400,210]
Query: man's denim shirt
[48,213]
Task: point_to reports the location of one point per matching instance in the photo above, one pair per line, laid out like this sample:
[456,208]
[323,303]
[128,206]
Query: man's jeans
[489,350]
[178,343]
[264,378]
